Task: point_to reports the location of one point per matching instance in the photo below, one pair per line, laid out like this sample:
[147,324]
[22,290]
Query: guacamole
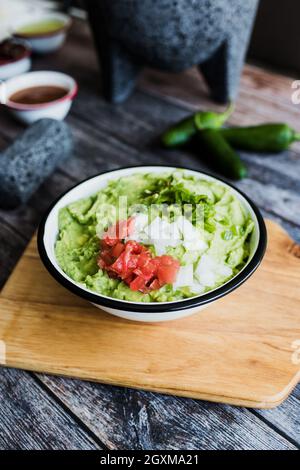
[199,223]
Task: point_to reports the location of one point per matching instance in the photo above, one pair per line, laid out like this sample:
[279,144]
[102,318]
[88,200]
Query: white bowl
[29,113]
[46,42]
[16,67]
[140,311]
[11,68]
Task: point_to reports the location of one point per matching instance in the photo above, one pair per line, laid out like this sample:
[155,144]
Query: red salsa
[133,262]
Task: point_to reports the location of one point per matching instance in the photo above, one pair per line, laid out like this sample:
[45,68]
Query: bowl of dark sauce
[38,95]
[14,58]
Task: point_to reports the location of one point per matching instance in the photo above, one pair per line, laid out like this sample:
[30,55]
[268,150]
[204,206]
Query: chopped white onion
[163,234]
[197,288]
[192,245]
[185,277]
[209,270]
[140,221]
[186,228]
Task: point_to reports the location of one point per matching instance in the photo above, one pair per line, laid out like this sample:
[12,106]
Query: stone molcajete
[171,35]
[32,157]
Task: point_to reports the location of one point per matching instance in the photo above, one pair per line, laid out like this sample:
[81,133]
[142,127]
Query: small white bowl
[43,43]
[12,67]
[29,113]
[144,311]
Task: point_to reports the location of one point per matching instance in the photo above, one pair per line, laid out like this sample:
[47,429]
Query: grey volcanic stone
[31,159]
[171,35]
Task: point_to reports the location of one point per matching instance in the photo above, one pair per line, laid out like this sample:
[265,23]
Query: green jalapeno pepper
[182,132]
[221,155]
[262,138]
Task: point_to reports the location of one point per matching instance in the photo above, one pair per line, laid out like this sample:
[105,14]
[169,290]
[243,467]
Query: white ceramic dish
[139,311]
[12,67]
[29,113]
[44,43]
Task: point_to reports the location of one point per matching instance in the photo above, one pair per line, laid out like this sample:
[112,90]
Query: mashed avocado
[210,238]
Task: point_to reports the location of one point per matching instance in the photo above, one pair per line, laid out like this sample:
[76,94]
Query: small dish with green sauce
[192,239]
[45,32]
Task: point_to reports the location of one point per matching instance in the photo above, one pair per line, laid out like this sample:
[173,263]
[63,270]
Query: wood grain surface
[249,333]
[108,137]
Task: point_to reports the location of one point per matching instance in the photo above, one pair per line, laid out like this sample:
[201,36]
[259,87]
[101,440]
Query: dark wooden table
[46,412]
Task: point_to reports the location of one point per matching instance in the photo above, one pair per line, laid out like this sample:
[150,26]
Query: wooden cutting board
[243,350]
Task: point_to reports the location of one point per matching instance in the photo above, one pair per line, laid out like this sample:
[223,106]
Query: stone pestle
[31,159]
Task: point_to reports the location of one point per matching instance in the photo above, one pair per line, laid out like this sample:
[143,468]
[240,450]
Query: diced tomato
[149,270]
[117,249]
[109,240]
[167,269]
[118,231]
[143,259]
[129,279]
[117,266]
[133,262]
[155,285]
[124,228]
[130,225]
[106,257]
[138,283]
[130,257]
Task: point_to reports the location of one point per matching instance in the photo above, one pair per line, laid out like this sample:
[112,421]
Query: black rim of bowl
[144,307]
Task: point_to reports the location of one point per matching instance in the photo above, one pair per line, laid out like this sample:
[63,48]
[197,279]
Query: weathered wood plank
[285,417]
[31,419]
[128,419]
[297,392]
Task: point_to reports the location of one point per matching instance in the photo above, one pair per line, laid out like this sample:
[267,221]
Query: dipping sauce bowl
[45,32]
[36,95]
[14,58]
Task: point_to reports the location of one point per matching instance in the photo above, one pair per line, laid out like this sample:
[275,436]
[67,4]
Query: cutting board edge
[267,403]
